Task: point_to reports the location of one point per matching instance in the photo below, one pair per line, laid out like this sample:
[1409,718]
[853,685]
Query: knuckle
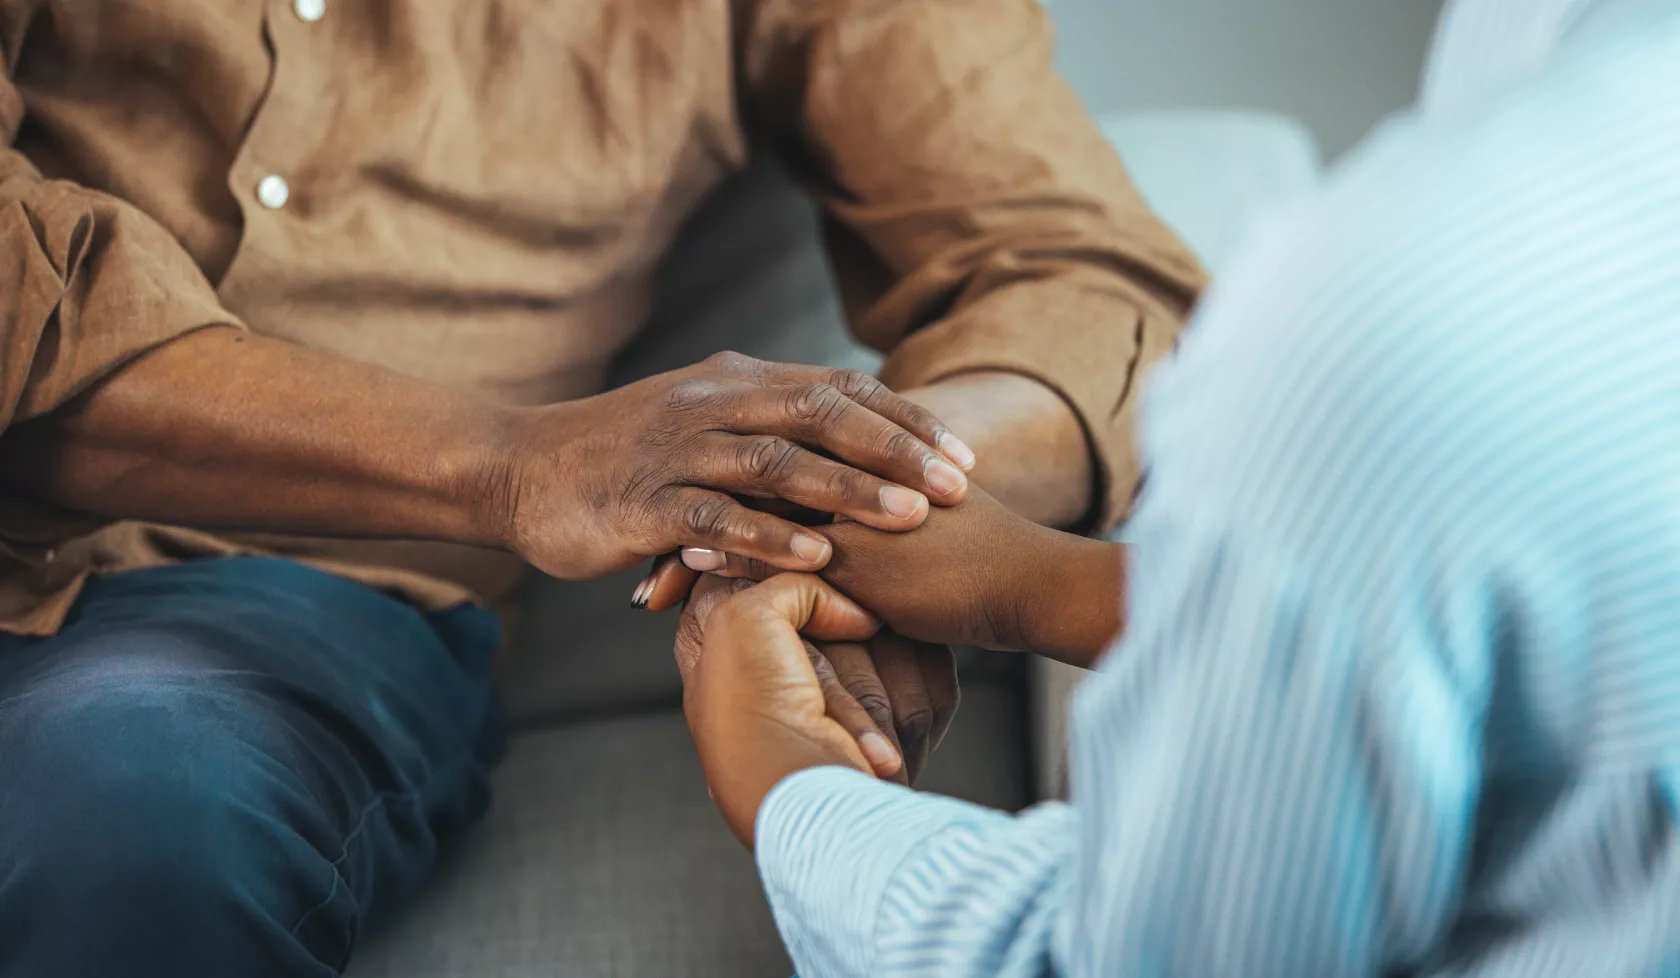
[691,395]
[769,459]
[815,404]
[875,703]
[901,444]
[919,419]
[824,669]
[856,384]
[735,364]
[850,486]
[708,518]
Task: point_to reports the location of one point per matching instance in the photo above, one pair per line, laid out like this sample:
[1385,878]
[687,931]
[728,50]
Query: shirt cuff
[1100,344]
[830,841]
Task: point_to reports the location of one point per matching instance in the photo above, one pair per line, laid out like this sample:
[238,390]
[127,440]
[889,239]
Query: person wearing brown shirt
[307,307]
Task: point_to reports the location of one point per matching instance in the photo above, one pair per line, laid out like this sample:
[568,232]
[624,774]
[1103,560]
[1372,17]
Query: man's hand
[908,688]
[226,430]
[755,704]
[599,483]
[903,693]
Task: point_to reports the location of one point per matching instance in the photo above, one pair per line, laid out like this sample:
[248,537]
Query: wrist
[483,476]
[740,781]
[1070,607]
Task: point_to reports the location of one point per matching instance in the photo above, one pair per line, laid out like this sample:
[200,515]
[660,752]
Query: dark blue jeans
[228,767]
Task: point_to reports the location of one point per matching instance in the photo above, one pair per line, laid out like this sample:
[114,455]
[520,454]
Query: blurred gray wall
[1337,65]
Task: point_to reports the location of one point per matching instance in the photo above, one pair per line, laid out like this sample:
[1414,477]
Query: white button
[272,192]
[52,555]
[309,11]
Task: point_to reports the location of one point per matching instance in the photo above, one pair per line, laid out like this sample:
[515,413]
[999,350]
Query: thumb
[809,605]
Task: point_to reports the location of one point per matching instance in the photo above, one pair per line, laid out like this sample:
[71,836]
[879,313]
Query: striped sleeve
[868,878]
[1403,593]
[1256,800]
[1236,774]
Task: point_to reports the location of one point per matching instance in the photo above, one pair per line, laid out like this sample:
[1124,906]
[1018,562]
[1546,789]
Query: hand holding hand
[895,696]
[971,574]
[594,485]
[755,704]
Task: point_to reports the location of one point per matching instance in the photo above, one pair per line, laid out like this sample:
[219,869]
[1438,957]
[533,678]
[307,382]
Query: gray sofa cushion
[603,856]
[584,651]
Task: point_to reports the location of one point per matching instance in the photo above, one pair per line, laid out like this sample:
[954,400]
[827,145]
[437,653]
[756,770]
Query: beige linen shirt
[476,192]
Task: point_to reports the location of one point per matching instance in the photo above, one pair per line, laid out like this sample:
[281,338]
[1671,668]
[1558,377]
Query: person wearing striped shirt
[1399,688]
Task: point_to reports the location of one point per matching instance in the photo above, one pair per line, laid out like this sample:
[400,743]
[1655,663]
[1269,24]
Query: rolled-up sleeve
[976,218]
[87,284]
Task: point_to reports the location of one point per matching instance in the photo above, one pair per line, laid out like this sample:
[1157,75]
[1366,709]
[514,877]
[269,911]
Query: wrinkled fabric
[1398,693]
[232,767]
[479,194]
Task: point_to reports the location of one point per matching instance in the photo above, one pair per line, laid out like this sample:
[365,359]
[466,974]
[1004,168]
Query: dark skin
[901,692]
[1032,452]
[977,574]
[974,573]
[224,429]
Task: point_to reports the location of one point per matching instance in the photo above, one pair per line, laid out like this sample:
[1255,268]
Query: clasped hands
[685,460]
[777,679]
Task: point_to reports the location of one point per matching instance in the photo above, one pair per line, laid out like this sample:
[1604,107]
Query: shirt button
[309,11]
[272,192]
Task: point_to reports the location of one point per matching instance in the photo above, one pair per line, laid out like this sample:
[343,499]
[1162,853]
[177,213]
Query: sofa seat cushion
[603,856]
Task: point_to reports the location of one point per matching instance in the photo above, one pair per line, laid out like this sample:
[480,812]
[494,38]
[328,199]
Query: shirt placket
[268,176]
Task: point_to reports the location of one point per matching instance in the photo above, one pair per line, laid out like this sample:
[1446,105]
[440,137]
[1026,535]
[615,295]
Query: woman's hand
[894,696]
[592,486]
[755,703]
[971,574]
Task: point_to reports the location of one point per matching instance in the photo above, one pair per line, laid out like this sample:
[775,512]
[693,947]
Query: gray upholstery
[585,651]
[602,856]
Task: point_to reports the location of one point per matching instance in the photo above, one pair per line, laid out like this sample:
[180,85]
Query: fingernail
[703,560]
[956,451]
[812,550]
[879,753]
[942,477]
[900,502]
[644,590]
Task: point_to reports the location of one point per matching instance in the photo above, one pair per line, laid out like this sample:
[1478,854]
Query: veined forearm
[228,430]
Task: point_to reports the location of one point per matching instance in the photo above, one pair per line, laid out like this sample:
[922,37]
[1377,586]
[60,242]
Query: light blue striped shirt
[1400,692]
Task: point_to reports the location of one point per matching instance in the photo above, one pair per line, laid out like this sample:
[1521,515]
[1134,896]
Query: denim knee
[154,820]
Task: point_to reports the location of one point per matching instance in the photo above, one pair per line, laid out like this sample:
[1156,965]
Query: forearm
[1070,598]
[1033,454]
[1034,457]
[228,430]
